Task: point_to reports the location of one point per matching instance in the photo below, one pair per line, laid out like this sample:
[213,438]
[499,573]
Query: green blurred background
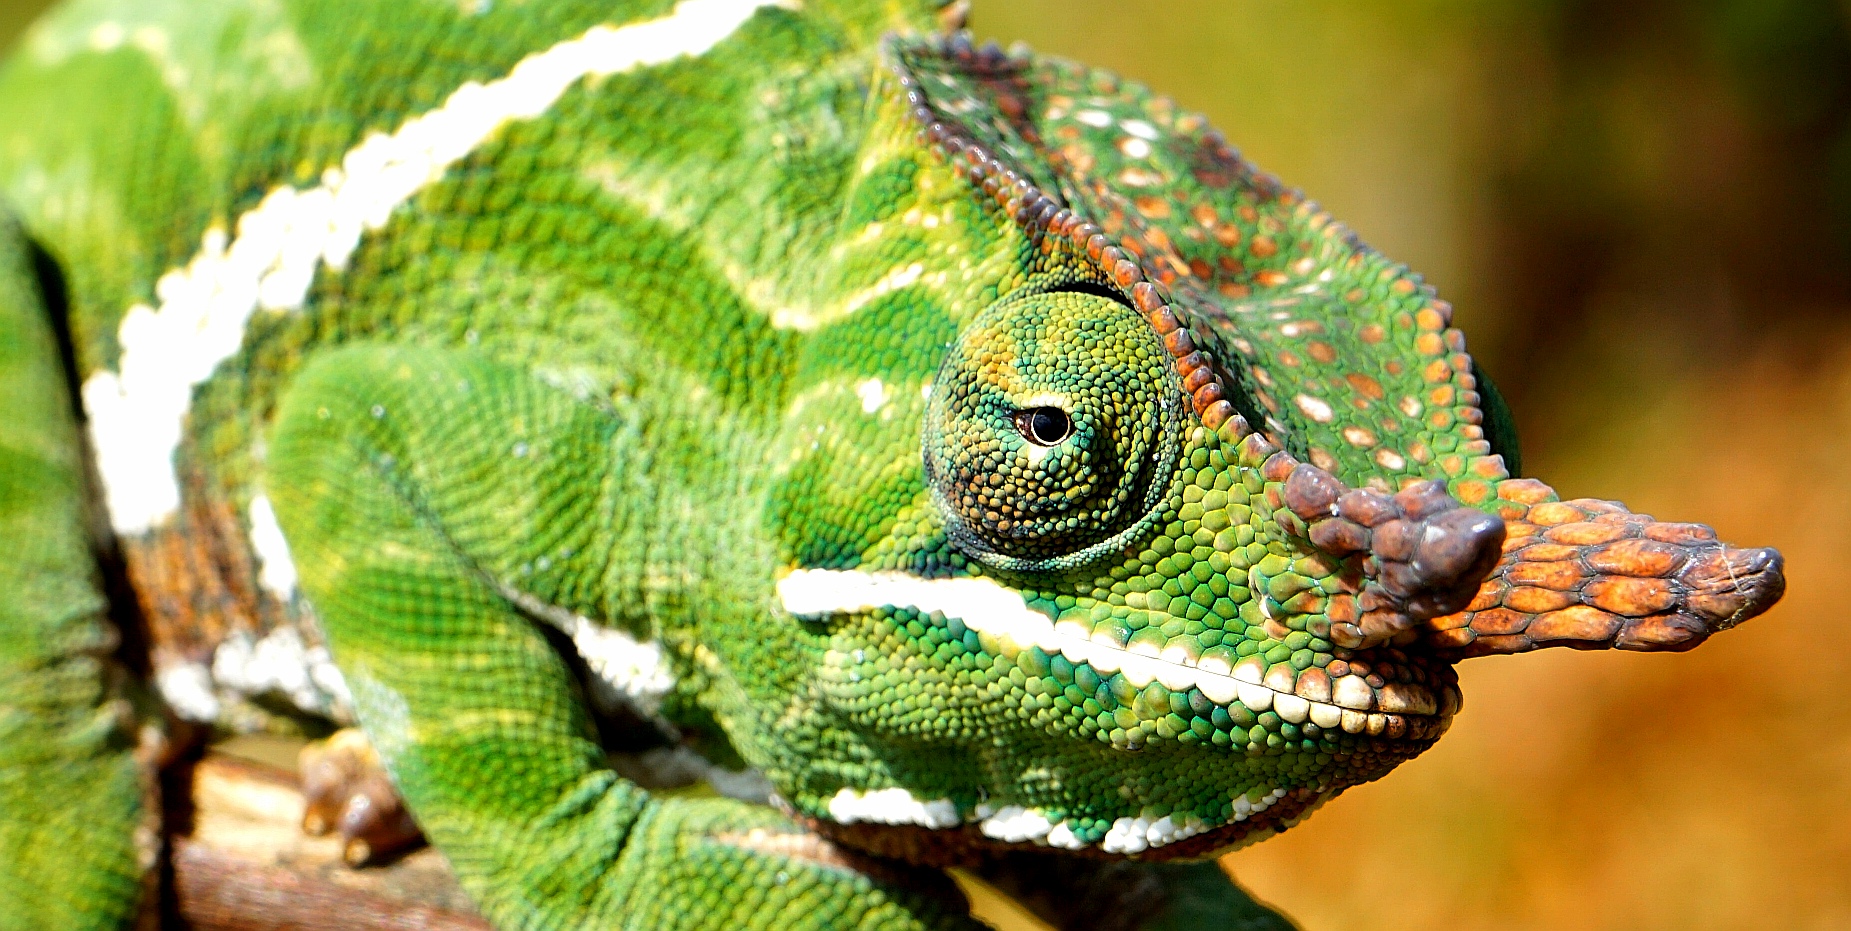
[1642,211]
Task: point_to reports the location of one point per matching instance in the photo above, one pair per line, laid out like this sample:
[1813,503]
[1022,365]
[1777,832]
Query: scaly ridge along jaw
[1358,701]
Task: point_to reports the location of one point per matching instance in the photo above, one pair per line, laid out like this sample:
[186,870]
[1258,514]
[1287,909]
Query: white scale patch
[892,806]
[1014,824]
[1140,129]
[187,689]
[1314,408]
[636,671]
[1136,835]
[137,412]
[280,662]
[278,572]
[873,395]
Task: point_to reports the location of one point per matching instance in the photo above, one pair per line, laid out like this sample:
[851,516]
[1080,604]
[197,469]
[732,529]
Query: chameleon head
[1107,626]
[1076,593]
[1093,632]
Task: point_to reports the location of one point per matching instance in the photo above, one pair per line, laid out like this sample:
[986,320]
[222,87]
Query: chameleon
[937,454]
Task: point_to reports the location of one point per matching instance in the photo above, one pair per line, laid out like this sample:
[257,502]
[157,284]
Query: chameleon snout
[1591,574]
[1727,586]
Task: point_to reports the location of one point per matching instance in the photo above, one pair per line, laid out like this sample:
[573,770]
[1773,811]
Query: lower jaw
[966,844]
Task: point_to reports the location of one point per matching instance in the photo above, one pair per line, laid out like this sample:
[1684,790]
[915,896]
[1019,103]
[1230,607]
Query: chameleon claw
[1591,575]
[347,793]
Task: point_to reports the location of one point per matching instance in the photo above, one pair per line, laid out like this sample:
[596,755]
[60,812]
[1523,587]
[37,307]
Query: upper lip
[1348,702]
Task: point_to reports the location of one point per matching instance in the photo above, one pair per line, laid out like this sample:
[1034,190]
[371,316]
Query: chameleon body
[965,452]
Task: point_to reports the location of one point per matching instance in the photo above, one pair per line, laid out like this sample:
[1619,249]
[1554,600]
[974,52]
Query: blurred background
[1642,212]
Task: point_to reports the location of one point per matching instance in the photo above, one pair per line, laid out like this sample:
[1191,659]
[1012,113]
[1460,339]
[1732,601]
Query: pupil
[1046,426]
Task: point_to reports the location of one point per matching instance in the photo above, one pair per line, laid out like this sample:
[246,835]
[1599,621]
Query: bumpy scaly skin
[74,845]
[970,443]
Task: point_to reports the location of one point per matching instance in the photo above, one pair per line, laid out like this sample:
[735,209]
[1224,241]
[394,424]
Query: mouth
[1360,701]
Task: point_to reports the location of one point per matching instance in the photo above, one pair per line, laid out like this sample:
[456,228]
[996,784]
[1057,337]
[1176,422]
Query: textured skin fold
[71,793]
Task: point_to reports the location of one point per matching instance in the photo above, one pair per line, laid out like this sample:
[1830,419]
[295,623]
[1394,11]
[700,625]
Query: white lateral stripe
[137,413]
[981,604]
[989,608]
[276,572]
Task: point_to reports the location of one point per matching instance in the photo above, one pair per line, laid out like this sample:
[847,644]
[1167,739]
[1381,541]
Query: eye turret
[1053,430]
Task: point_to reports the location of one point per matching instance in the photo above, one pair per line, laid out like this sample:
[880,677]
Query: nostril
[1764,580]
[1762,560]
[1729,586]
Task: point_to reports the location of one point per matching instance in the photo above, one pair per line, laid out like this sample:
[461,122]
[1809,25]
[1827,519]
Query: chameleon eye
[1044,426]
[1052,430]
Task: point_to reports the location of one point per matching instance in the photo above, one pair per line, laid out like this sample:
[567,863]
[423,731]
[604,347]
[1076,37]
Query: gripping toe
[348,793]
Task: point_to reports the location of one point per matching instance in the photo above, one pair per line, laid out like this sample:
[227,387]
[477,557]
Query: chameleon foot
[1590,574]
[348,793]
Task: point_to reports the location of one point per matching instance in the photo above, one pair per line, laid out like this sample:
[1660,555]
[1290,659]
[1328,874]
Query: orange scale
[1365,385]
[1156,208]
[1472,491]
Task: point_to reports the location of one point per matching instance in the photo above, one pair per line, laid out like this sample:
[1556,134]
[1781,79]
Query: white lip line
[895,805]
[138,412]
[989,608]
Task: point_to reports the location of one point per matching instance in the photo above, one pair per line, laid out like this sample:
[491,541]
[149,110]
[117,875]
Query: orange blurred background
[1642,212]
